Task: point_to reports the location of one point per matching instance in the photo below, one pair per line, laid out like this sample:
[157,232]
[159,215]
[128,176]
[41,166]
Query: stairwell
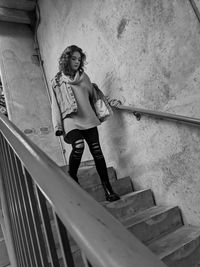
[161,228]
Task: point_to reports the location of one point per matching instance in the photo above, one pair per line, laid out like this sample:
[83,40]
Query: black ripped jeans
[91,136]
[76,139]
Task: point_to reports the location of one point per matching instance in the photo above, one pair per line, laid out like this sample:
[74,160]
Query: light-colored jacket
[64,103]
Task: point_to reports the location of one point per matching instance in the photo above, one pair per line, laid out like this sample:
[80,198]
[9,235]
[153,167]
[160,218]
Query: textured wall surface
[146,53]
[26,96]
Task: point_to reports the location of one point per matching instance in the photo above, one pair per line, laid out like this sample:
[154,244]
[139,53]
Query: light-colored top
[85,117]
[64,104]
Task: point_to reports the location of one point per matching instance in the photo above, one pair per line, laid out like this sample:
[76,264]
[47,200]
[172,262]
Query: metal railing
[138,112]
[31,182]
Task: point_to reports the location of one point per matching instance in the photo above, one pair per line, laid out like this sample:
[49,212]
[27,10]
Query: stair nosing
[97,186]
[109,204]
[160,210]
[175,248]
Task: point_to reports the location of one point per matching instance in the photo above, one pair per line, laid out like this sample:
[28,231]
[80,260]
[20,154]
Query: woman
[78,107]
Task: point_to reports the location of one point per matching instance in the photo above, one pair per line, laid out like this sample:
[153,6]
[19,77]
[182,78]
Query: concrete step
[127,206]
[180,248]
[160,228]
[154,223]
[88,176]
[130,204]
[121,187]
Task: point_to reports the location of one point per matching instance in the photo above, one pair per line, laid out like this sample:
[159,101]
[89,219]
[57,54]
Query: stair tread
[113,183]
[175,240]
[88,176]
[146,215]
[89,167]
[130,204]
[120,186]
[123,201]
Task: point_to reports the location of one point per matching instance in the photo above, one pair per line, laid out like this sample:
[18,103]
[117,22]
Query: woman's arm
[56,115]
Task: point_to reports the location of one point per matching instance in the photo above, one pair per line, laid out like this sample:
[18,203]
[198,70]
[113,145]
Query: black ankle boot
[74,177]
[110,195]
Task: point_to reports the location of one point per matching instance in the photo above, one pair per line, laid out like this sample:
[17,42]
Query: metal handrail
[104,240]
[160,115]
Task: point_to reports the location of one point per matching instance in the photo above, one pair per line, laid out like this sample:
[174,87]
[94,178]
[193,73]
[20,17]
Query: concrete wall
[24,88]
[147,53]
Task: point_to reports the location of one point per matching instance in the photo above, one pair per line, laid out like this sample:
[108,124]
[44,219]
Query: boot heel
[109,194]
[112,197]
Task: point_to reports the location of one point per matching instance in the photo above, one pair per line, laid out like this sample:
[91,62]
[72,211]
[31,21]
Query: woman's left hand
[114,102]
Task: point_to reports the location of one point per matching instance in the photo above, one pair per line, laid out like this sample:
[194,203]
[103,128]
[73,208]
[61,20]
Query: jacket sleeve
[56,115]
[102,108]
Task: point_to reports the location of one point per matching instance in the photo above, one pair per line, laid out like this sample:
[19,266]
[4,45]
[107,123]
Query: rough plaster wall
[146,53]
[25,93]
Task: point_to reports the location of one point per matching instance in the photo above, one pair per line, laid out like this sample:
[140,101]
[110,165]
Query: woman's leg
[75,138]
[75,158]
[92,138]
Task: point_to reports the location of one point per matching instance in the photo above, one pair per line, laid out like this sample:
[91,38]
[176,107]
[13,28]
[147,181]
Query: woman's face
[75,61]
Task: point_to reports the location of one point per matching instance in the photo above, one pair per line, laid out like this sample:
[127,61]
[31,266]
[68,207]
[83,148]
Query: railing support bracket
[137,115]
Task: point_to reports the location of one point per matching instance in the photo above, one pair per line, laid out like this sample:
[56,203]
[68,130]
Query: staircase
[161,228]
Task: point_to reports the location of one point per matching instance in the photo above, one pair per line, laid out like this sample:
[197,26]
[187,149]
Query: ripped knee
[96,151]
[79,144]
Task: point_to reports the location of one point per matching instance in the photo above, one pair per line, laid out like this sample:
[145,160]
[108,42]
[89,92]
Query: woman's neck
[72,74]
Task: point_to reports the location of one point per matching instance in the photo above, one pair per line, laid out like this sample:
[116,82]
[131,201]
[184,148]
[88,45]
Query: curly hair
[64,60]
